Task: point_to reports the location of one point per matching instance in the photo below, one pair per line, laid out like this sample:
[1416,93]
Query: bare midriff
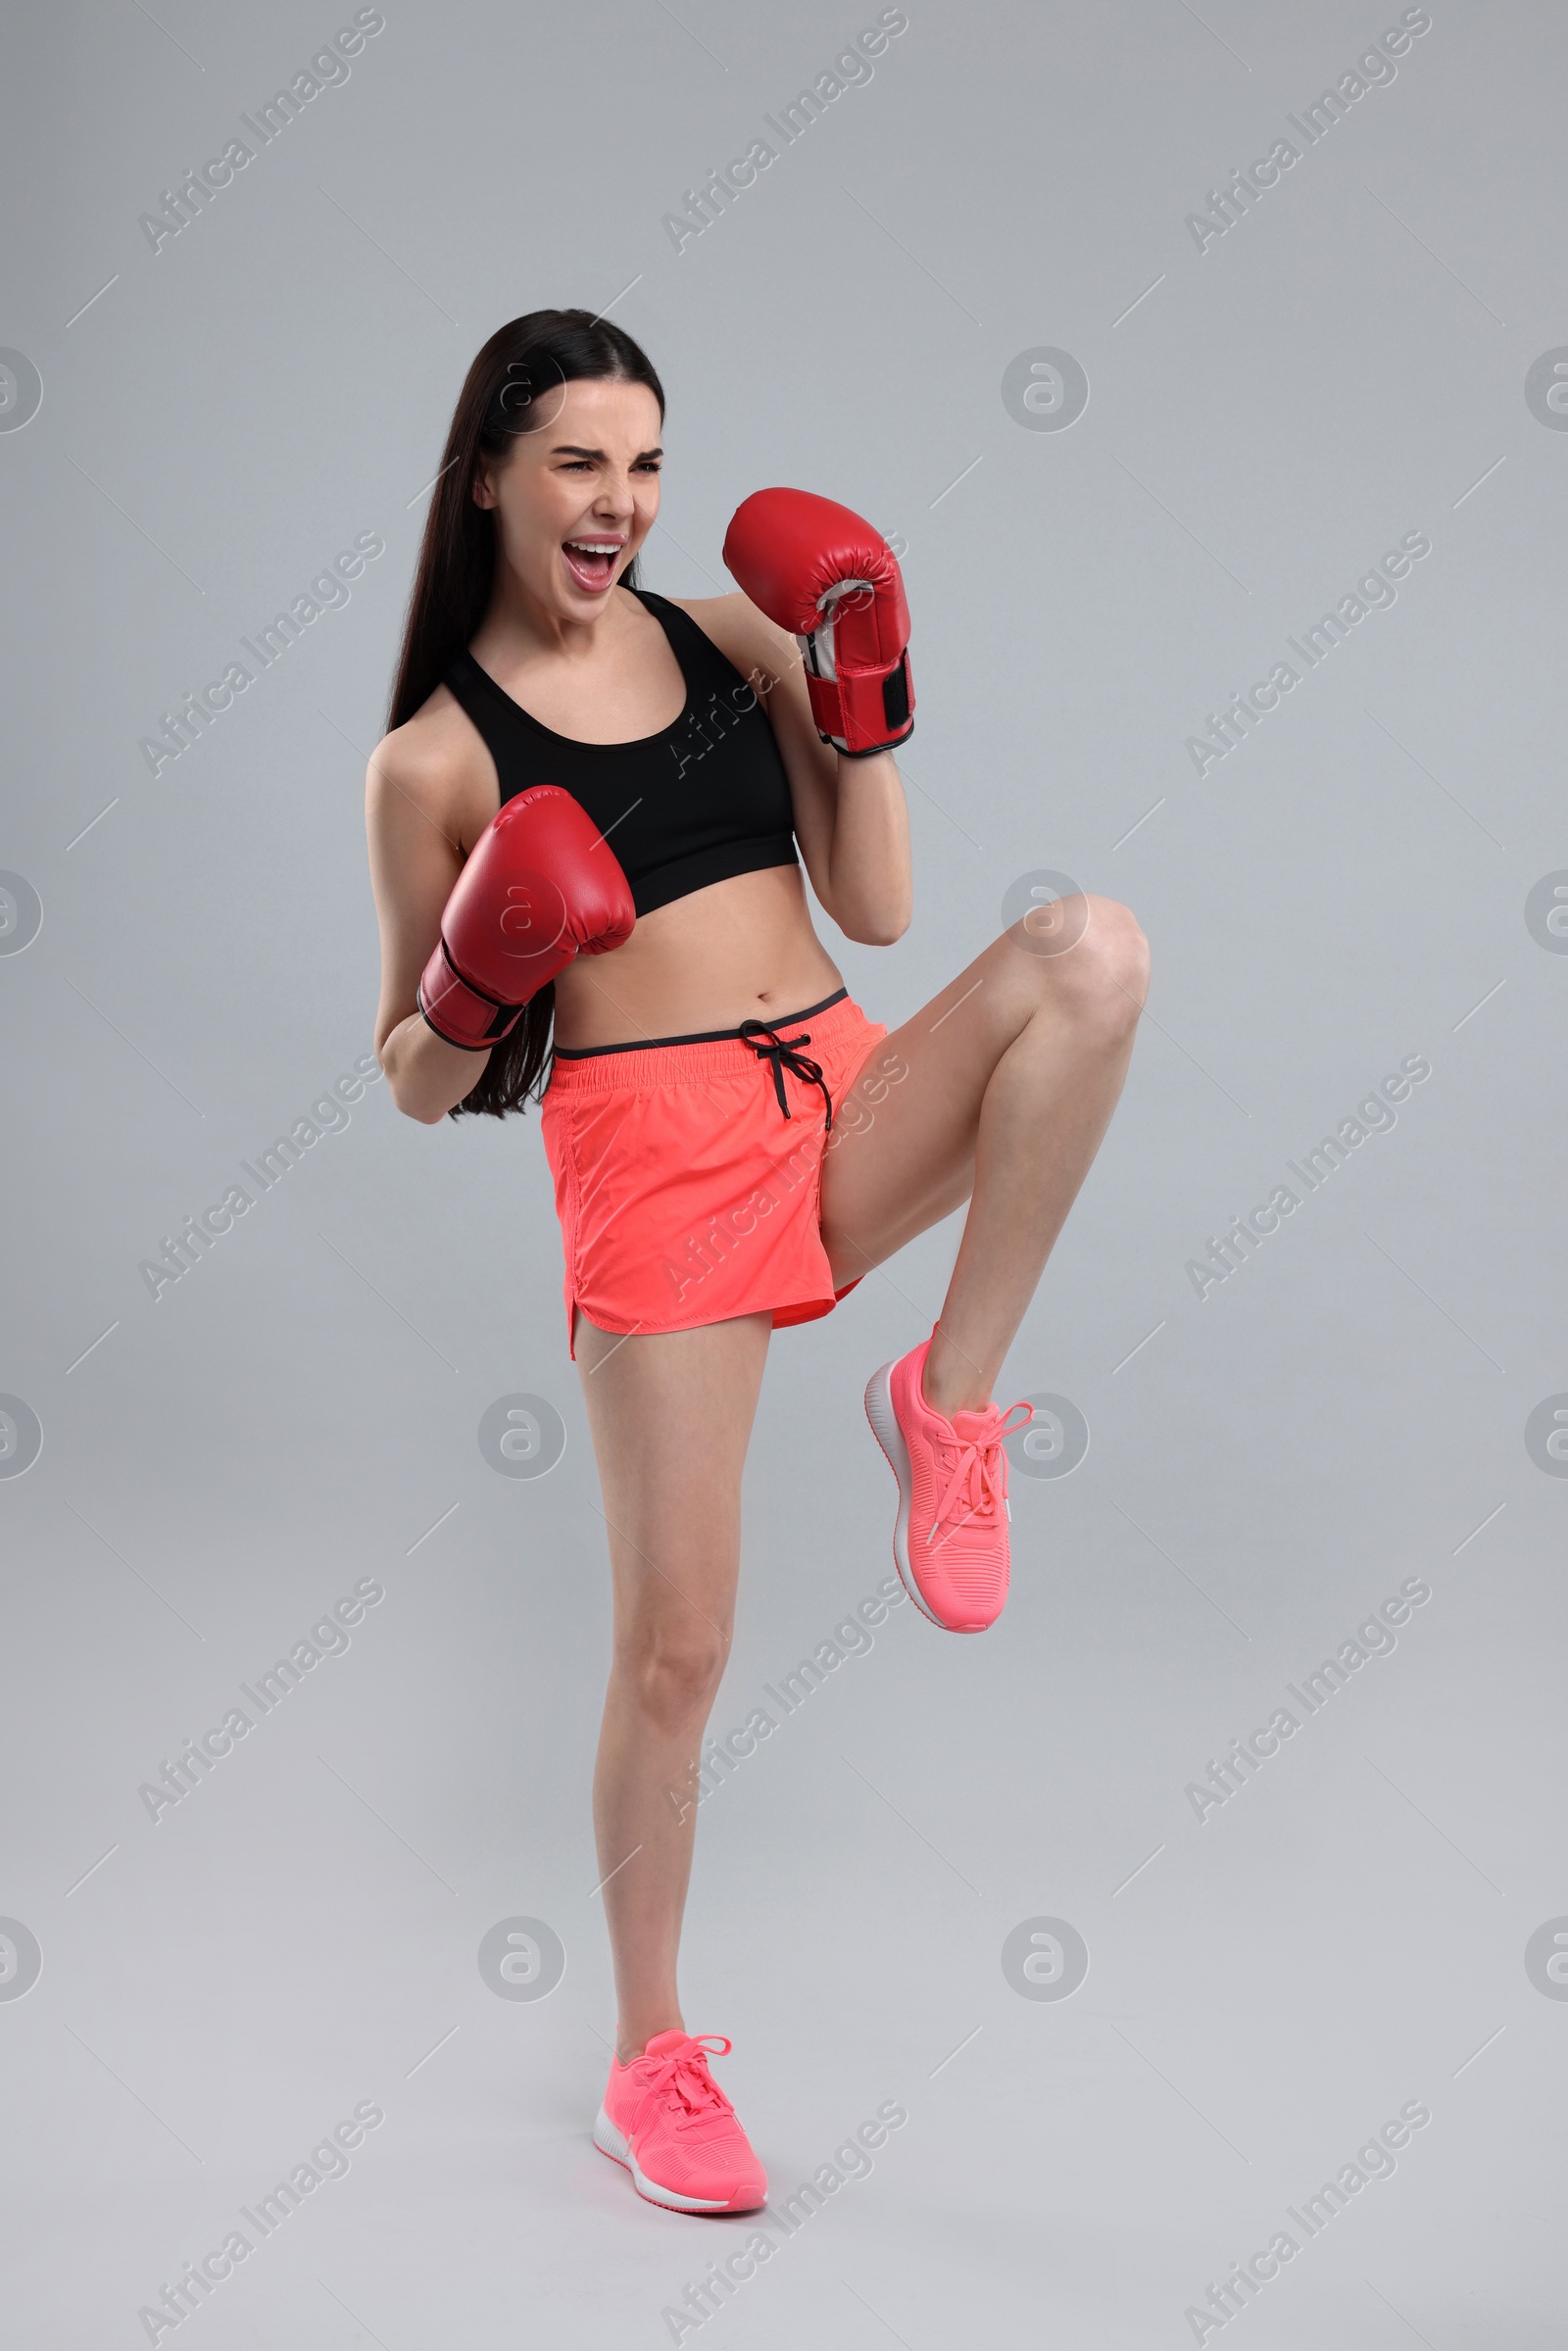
[739,949]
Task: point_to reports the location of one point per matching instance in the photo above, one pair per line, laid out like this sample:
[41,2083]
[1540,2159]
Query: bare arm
[416,857]
[850,814]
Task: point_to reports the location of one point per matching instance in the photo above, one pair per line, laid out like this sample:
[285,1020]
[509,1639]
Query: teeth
[593,547]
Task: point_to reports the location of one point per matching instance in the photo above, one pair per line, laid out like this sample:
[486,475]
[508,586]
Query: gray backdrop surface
[1347,1444]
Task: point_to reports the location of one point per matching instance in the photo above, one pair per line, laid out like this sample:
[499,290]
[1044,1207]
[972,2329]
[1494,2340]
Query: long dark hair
[522,359]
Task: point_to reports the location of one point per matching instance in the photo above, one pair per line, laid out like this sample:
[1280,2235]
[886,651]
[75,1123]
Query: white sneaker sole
[890,1437]
[614,2143]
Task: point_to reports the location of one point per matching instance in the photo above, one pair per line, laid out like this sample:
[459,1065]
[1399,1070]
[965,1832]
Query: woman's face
[578,494]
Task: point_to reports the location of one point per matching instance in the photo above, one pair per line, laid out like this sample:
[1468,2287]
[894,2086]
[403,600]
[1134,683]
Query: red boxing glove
[834,584]
[541,887]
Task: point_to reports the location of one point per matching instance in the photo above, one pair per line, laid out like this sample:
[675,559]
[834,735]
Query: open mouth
[591,561]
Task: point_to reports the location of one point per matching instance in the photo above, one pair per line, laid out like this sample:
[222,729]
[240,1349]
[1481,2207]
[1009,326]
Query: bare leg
[1012,1073]
[671,1414]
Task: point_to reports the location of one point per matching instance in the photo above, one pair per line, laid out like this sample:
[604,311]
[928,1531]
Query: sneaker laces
[979,1480]
[683,2076]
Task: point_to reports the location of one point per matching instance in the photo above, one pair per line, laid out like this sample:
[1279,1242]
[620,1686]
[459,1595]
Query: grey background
[218,1990]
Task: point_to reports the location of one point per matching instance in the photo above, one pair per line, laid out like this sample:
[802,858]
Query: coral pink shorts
[688,1171]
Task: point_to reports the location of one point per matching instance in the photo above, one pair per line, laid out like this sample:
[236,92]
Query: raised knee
[1102,977]
[1119,949]
[1089,963]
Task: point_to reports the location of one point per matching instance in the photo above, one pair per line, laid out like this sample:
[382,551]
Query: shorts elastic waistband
[648,1044]
[669,1061]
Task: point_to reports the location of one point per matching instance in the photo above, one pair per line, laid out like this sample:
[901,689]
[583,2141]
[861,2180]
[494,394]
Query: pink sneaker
[668,2120]
[951,1538]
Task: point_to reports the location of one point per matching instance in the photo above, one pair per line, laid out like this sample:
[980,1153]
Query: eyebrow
[570,449]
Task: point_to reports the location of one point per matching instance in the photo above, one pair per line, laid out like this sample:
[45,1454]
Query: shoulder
[432,765]
[745,636]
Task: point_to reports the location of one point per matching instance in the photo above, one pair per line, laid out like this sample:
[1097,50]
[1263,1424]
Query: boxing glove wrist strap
[459,1013]
[861,714]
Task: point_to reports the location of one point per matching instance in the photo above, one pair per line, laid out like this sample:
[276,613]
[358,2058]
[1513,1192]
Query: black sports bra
[704,799]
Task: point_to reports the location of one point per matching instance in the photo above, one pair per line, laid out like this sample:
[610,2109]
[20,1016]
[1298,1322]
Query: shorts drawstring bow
[781,1053]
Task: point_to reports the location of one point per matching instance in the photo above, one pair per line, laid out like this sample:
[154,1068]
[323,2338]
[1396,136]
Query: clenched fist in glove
[821,572]
[541,887]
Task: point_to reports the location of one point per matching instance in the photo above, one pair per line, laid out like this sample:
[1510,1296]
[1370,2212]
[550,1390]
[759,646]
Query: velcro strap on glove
[457,1011]
[862,714]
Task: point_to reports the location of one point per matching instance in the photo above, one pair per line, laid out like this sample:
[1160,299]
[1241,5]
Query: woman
[586,811]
